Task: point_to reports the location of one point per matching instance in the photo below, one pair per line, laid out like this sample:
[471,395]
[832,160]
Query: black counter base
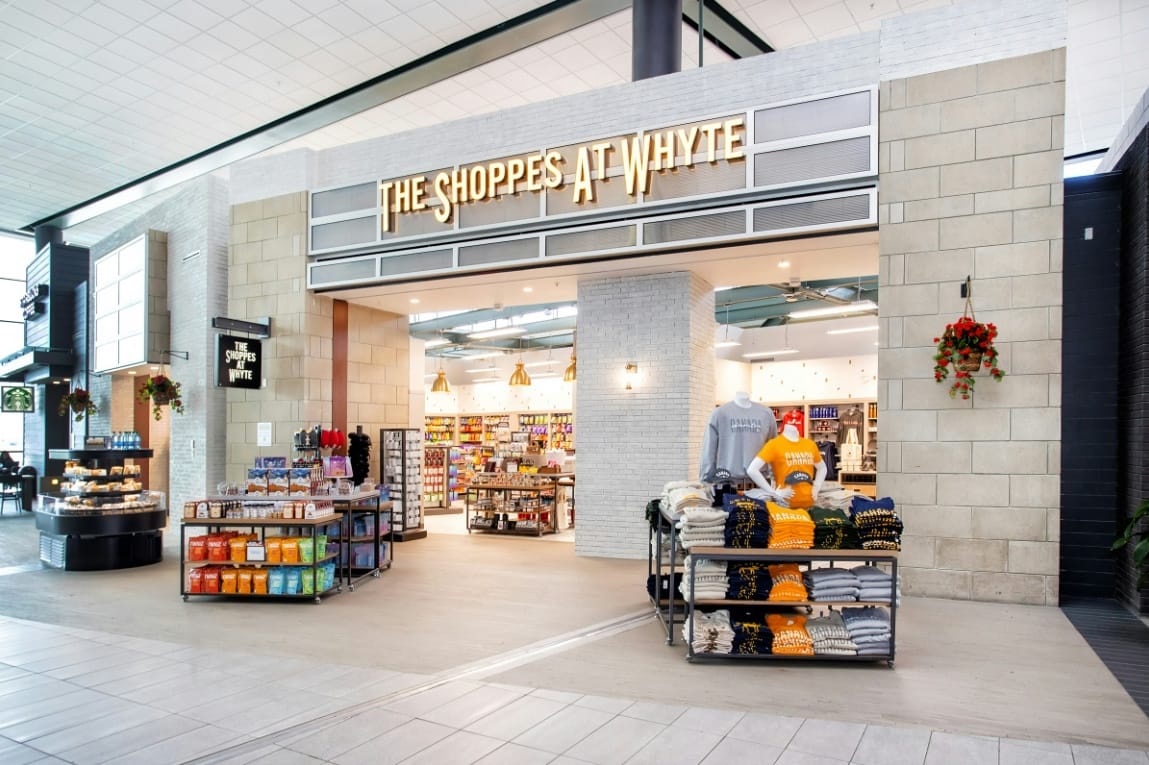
[103,553]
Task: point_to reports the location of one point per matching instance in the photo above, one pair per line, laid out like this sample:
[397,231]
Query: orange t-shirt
[793,465]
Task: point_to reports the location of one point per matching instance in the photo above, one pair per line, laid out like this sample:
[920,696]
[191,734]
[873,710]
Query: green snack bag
[306,550]
[321,546]
[308,580]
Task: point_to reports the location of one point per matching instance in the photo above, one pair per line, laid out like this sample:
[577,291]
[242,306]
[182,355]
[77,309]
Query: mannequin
[797,467]
[735,433]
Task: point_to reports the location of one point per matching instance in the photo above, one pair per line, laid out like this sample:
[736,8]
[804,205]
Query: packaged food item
[300,480]
[195,580]
[210,579]
[307,581]
[238,547]
[273,550]
[289,550]
[228,581]
[275,581]
[189,510]
[259,581]
[278,481]
[218,549]
[197,548]
[292,582]
[257,481]
[320,546]
[256,552]
[244,581]
[306,550]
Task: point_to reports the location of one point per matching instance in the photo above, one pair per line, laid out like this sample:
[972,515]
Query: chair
[10,491]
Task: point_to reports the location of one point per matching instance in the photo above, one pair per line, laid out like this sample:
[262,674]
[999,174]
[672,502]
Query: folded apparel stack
[833,495]
[830,635]
[832,584]
[833,530]
[869,628]
[752,638]
[747,523]
[788,586]
[702,527]
[790,635]
[879,527]
[679,495]
[748,581]
[710,581]
[712,632]
[876,585]
[790,529]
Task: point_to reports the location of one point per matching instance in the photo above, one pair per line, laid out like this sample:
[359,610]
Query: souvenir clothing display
[787,583]
[830,635]
[735,433]
[790,529]
[748,581]
[833,530]
[747,522]
[875,585]
[832,584]
[796,418]
[879,526]
[712,632]
[793,464]
[790,635]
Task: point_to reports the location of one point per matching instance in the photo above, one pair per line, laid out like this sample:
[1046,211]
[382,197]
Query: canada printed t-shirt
[793,465]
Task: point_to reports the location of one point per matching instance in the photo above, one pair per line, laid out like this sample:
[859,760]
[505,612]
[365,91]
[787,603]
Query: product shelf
[258,564]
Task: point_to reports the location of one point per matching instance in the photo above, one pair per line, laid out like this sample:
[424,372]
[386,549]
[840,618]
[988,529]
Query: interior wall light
[631,374]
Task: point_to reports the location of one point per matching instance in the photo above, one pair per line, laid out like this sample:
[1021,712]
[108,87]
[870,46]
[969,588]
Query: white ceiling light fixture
[727,336]
[479,370]
[500,332]
[767,354]
[477,356]
[486,379]
[548,333]
[436,342]
[537,364]
[860,306]
[853,330]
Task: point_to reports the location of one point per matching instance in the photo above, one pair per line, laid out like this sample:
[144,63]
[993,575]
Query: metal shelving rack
[401,470]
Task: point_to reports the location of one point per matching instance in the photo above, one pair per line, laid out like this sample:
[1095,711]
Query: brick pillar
[631,442]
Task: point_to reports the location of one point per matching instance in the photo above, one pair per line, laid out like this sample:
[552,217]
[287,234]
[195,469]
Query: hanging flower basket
[966,346]
[162,391]
[79,403]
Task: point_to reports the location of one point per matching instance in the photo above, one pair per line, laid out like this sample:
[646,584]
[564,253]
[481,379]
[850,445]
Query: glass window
[15,255]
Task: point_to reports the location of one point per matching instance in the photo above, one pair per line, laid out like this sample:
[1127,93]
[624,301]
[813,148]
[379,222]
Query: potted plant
[966,346]
[162,390]
[79,402]
[1131,535]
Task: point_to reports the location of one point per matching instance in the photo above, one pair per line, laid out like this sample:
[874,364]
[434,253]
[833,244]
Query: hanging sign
[238,362]
[32,302]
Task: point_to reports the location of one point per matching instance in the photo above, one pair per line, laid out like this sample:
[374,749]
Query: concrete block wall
[631,442]
[378,373]
[970,184]
[266,262]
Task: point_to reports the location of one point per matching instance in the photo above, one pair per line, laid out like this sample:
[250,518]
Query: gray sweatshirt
[733,438]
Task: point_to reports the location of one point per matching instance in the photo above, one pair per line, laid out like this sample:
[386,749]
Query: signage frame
[248,358]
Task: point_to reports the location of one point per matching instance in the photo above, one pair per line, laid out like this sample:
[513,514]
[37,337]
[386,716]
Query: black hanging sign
[238,362]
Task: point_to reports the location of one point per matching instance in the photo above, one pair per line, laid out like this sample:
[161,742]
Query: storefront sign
[238,362]
[33,300]
[639,154]
[17,398]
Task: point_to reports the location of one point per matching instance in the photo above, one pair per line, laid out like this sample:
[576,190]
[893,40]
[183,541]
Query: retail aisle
[80,696]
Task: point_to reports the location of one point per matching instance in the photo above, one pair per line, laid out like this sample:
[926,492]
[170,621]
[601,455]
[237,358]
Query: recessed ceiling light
[783,264]
[477,370]
[414,301]
[535,364]
[861,306]
[548,333]
[501,332]
[727,344]
[486,379]
[852,330]
[476,356]
[528,289]
[766,354]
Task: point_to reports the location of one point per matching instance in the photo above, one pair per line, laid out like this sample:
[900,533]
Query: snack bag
[259,581]
[210,579]
[291,582]
[306,550]
[218,550]
[195,580]
[289,549]
[275,581]
[228,581]
[244,584]
[320,546]
[238,547]
[197,548]
[273,549]
[308,581]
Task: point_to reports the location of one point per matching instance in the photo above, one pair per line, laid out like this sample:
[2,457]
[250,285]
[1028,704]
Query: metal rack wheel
[376,573]
[185,598]
[318,600]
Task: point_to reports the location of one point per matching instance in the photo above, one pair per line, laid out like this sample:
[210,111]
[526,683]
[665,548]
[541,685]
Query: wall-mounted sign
[32,301]
[17,398]
[641,155]
[238,362]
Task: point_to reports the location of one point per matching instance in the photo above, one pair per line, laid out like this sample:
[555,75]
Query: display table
[95,523]
[500,508]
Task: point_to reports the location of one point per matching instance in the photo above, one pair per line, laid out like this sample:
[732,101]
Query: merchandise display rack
[666,609]
[498,508]
[401,471]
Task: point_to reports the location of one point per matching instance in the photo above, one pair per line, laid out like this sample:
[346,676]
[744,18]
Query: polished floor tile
[771,730]
[117,745]
[514,754]
[395,745]
[953,749]
[827,738]
[676,746]
[1014,752]
[515,718]
[471,707]
[460,748]
[732,751]
[881,745]
[1096,755]
[716,721]
[654,712]
[604,703]
[328,741]
[615,742]
[564,729]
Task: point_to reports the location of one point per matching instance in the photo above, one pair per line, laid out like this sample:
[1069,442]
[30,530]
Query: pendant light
[441,385]
[570,374]
[520,376]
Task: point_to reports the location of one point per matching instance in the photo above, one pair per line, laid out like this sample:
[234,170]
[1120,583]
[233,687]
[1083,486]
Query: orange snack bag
[289,550]
[195,580]
[244,583]
[238,549]
[228,581]
[197,548]
[210,579]
[273,549]
[217,548]
[259,581]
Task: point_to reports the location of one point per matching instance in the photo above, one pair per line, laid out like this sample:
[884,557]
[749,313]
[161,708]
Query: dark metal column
[657,38]
[48,235]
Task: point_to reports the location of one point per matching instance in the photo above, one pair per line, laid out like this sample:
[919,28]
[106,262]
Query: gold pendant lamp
[520,376]
[570,374]
[441,385]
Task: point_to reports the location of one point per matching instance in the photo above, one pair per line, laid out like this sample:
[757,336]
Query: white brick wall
[630,443]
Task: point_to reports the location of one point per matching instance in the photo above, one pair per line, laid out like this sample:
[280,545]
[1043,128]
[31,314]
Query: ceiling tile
[173,27]
[830,20]
[789,34]
[195,14]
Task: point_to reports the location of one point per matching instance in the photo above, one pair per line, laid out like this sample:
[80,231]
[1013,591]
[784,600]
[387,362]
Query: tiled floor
[80,696]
